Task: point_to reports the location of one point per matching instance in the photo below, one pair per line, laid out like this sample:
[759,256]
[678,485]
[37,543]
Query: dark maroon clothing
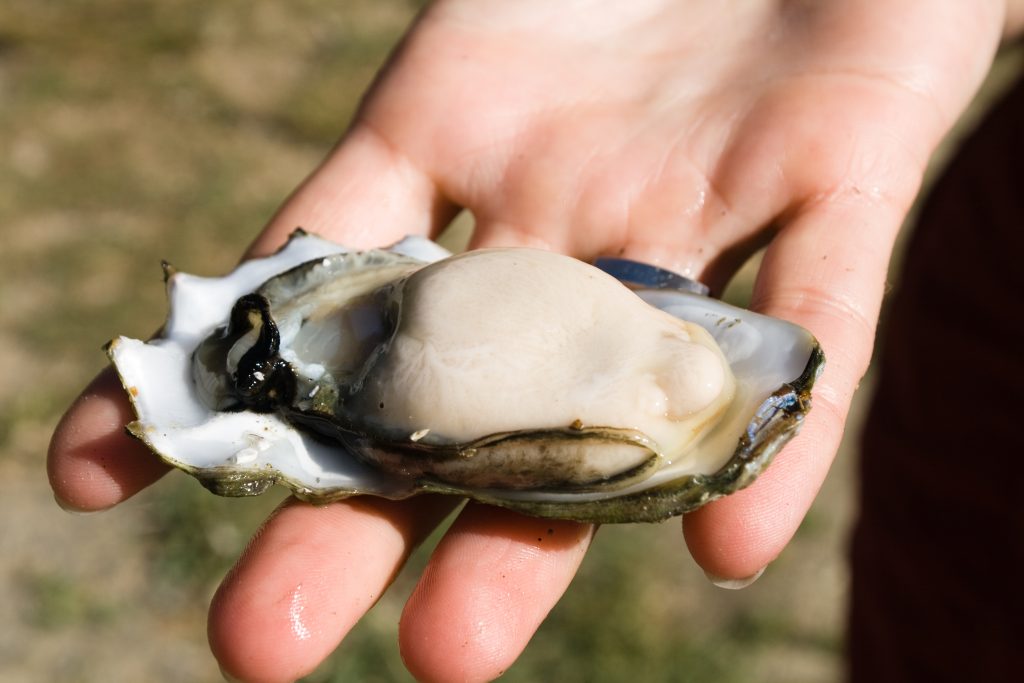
[938,553]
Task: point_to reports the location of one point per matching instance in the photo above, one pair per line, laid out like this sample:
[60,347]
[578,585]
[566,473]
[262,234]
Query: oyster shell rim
[778,420]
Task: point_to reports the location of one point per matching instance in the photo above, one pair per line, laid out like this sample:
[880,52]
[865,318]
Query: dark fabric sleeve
[938,551]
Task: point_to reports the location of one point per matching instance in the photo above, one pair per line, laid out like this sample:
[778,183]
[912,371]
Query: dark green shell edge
[376,453]
[777,420]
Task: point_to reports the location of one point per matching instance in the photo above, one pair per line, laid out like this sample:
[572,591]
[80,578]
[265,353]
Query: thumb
[366,193]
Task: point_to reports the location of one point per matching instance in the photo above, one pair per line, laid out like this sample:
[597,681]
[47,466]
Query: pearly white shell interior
[187,434]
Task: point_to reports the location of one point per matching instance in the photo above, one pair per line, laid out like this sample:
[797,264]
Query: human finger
[307,577]
[825,271]
[366,193]
[92,462]
[494,576]
[489,584]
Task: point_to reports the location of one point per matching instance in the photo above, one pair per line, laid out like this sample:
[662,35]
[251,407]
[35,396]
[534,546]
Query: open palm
[681,134]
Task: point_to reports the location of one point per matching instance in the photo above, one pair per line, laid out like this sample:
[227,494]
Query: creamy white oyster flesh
[504,340]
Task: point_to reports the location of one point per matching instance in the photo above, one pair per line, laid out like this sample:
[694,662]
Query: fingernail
[228,677]
[734,584]
[68,507]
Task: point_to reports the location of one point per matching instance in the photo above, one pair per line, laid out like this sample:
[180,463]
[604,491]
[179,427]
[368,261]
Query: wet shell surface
[515,377]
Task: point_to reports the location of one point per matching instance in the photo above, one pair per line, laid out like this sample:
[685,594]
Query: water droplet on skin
[295,609]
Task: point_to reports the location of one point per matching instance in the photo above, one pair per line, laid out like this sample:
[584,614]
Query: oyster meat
[516,377]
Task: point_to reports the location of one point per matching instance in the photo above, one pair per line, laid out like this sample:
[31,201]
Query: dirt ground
[131,132]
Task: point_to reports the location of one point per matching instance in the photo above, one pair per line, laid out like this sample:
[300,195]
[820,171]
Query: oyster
[516,377]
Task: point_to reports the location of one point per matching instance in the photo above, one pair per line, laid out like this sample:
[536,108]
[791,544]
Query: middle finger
[489,584]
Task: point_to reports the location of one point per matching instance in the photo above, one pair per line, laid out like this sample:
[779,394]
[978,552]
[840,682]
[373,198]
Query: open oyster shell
[239,392]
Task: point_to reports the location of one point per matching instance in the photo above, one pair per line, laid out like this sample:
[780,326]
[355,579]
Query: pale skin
[683,134]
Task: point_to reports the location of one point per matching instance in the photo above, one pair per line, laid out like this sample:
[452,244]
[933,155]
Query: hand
[680,134]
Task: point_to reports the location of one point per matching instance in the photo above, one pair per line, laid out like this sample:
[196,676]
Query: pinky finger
[825,271]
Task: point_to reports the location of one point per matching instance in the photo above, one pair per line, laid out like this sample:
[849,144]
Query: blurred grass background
[135,130]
